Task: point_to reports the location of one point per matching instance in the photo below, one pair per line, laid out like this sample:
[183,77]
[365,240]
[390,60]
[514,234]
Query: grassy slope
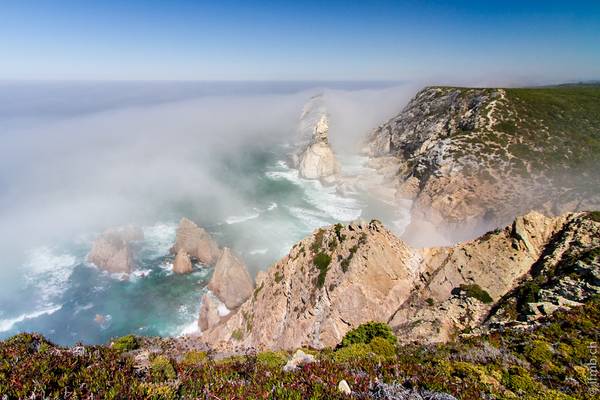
[547,363]
[549,134]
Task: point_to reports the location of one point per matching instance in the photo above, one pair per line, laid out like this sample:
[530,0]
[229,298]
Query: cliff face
[474,158]
[346,275]
[331,281]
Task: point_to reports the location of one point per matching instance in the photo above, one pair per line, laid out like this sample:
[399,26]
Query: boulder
[196,242]
[211,312]
[230,281]
[112,251]
[343,387]
[182,263]
[299,358]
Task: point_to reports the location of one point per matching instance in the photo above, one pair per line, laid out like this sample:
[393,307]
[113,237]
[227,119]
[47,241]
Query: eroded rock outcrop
[318,160]
[212,312]
[346,275]
[230,281]
[365,271]
[113,250]
[182,263]
[196,242]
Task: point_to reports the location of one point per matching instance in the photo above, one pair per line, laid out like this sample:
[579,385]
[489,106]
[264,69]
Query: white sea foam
[258,251]
[158,239]
[310,218]
[242,218]
[190,329]
[140,273]
[7,324]
[167,268]
[49,272]
[324,198]
[272,206]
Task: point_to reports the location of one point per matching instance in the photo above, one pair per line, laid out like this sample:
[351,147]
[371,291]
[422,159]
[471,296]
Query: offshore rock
[112,251]
[318,160]
[196,242]
[182,263]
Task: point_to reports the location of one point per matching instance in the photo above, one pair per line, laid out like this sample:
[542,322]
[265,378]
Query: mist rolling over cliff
[149,154]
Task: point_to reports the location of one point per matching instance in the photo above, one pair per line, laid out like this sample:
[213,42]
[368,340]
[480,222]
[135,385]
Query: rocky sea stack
[196,243]
[318,161]
[113,250]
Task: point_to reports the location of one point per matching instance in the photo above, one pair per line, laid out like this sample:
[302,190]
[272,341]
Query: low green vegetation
[194,357]
[551,361]
[125,343]
[594,216]
[237,334]
[475,291]
[322,261]
[365,333]
[272,359]
[162,369]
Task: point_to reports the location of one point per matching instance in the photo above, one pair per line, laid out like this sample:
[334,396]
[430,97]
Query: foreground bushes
[549,362]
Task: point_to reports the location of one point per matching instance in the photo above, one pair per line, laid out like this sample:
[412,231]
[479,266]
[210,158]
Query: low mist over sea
[78,158]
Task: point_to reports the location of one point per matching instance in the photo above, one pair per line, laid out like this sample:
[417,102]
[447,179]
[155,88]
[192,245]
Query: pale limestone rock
[182,263]
[318,160]
[374,276]
[344,388]
[112,251]
[210,312]
[290,311]
[299,358]
[196,242]
[230,281]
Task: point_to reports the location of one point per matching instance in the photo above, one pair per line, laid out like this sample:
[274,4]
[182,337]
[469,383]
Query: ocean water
[256,204]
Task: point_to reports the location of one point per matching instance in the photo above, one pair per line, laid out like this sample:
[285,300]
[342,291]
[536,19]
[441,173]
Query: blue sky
[520,41]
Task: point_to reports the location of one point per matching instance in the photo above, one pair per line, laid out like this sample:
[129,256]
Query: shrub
[278,276]
[338,232]
[365,333]
[125,343]
[162,369]
[382,347]
[345,264]
[475,291]
[318,242]
[194,357]
[356,351]
[322,261]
